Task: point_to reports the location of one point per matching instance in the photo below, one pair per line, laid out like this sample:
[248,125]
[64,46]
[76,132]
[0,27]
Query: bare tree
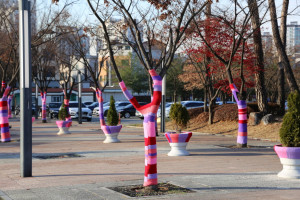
[279,40]
[165,22]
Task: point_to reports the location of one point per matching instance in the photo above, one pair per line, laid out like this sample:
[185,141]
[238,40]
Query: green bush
[63,112]
[290,128]
[179,116]
[112,115]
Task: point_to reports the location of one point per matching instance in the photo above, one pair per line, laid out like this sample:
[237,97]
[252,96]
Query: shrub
[179,116]
[290,128]
[112,115]
[63,112]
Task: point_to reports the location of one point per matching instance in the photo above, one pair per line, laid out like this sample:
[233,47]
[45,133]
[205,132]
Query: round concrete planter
[178,143]
[63,127]
[290,160]
[111,133]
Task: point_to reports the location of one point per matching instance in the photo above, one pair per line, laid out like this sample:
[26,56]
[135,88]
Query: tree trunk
[5,134]
[205,99]
[281,90]
[280,73]
[290,78]
[44,108]
[260,89]
[210,113]
[149,113]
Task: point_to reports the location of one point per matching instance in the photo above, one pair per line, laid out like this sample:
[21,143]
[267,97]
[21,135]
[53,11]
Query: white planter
[111,138]
[63,131]
[290,168]
[178,149]
[290,160]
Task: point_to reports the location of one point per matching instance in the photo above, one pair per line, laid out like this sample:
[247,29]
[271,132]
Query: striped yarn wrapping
[5,134]
[149,112]
[174,137]
[9,105]
[61,123]
[44,111]
[242,114]
[287,152]
[106,129]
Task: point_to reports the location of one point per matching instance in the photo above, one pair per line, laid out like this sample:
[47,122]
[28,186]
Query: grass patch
[140,190]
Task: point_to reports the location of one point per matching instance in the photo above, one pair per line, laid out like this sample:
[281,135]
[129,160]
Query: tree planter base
[290,160]
[178,149]
[63,131]
[111,133]
[111,138]
[63,127]
[178,143]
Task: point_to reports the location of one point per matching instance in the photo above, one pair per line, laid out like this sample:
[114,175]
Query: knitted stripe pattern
[242,114]
[5,134]
[106,129]
[9,105]
[174,137]
[149,112]
[44,111]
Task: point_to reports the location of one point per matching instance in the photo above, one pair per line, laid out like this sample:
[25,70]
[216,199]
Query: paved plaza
[213,170]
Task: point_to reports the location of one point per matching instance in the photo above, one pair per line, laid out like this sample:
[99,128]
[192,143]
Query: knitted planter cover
[44,111]
[174,137]
[32,119]
[61,124]
[149,112]
[5,134]
[106,129]
[9,105]
[242,114]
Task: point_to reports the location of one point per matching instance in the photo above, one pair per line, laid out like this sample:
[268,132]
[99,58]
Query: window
[127,47]
[55,99]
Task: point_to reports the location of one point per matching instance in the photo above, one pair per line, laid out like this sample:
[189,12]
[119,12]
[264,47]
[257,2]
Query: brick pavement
[212,170]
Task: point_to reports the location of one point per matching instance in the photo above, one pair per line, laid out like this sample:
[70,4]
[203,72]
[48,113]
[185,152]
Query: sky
[81,11]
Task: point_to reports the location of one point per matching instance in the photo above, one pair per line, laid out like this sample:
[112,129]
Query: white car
[96,109]
[86,112]
[118,105]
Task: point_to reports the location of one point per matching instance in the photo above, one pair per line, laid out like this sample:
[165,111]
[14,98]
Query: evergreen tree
[112,115]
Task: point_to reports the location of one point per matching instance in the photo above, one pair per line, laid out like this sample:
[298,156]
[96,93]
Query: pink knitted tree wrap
[5,134]
[242,114]
[149,112]
[106,129]
[44,111]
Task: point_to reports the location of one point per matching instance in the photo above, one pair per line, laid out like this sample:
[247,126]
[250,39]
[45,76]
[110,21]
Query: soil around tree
[225,122]
[140,191]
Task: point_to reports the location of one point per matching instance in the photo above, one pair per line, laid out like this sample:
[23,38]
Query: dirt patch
[226,123]
[139,190]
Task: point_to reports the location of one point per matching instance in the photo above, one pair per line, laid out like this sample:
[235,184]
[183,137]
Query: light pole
[25,89]
[163,105]
[79,98]
[36,100]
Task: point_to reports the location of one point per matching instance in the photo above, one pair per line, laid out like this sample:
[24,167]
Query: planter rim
[173,137]
[287,152]
[175,133]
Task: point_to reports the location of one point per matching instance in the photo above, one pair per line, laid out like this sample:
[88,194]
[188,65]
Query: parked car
[86,112]
[128,110]
[93,105]
[227,102]
[188,105]
[118,105]
[53,110]
[87,103]
[96,109]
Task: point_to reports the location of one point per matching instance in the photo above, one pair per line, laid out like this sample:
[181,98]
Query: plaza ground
[213,170]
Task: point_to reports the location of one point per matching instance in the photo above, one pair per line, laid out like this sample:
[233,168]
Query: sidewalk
[213,171]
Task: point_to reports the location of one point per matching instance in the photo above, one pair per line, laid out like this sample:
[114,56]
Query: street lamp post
[25,89]
[79,98]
